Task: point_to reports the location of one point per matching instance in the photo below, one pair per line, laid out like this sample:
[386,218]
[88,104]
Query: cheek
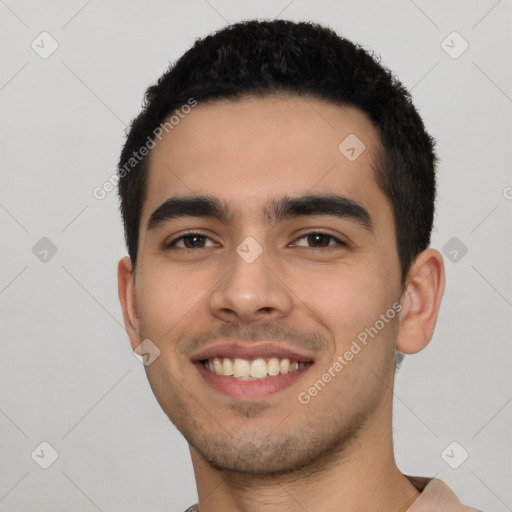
[166,297]
[348,302]
[335,293]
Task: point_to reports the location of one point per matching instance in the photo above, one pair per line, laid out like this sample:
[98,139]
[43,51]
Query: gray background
[67,373]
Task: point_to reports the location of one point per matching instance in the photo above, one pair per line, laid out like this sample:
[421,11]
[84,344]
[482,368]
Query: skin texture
[335,453]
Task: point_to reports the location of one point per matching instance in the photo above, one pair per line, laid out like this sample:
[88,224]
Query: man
[277,192]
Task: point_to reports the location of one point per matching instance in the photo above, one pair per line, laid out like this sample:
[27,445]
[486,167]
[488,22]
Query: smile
[251,371]
[256,369]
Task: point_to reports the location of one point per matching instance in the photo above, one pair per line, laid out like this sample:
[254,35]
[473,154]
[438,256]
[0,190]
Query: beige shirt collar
[436,496]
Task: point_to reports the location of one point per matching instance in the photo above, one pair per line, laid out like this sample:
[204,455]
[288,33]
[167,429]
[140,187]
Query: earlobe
[421,301]
[127,298]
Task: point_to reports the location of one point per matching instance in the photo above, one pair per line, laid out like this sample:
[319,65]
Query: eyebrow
[277,210]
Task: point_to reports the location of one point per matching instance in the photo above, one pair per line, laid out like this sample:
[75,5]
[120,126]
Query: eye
[318,240]
[192,241]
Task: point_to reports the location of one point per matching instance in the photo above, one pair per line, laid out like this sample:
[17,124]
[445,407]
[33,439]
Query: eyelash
[337,241]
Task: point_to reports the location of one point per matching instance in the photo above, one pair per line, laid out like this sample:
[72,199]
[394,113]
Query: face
[268,279]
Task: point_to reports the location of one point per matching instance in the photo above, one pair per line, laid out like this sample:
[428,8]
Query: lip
[250,351]
[249,389]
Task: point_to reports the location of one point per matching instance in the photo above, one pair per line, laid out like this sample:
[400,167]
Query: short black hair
[262,58]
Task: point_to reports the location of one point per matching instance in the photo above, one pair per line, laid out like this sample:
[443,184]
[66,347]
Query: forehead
[248,151]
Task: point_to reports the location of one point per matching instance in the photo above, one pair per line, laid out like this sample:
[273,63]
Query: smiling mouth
[254,369]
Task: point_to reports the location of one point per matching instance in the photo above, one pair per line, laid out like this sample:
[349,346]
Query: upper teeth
[245,369]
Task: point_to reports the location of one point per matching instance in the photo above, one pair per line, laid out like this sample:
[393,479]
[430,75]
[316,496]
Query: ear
[421,301]
[127,297]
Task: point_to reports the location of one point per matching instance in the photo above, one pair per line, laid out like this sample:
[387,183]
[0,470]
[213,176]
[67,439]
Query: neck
[360,476]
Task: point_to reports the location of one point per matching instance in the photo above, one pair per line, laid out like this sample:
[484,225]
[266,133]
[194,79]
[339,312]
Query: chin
[272,454]
[266,458]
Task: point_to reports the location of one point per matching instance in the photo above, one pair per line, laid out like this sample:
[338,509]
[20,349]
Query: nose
[251,292]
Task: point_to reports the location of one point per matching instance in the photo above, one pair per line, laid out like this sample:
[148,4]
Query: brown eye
[192,241]
[318,240]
